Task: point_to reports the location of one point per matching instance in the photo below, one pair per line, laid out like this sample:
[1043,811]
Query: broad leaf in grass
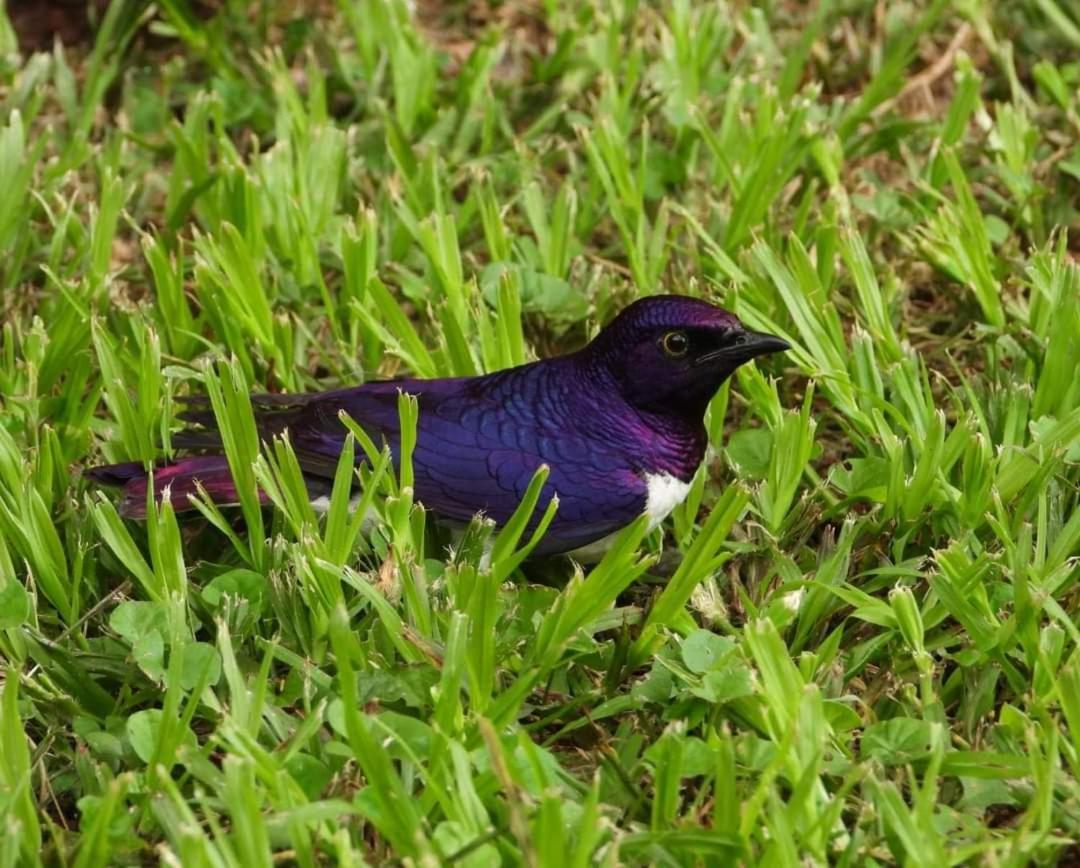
[749,450]
[133,619]
[897,741]
[311,774]
[243,584]
[410,685]
[731,683]
[410,737]
[703,650]
[540,293]
[657,686]
[144,729]
[148,652]
[864,478]
[105,746]
[199,656]
[697,757]
[14,605]
[842,717]
[980,794]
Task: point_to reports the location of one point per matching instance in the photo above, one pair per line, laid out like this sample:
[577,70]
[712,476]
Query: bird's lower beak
[754,344]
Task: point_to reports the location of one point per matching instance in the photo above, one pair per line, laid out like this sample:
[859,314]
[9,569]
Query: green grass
[857,643]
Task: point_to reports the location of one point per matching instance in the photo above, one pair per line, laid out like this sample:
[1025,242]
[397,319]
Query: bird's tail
[182,479]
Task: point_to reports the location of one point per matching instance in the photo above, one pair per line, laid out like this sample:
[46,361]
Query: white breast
[665,493]
[321,505]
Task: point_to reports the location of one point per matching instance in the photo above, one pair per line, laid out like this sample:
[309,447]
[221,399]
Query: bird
[619,423]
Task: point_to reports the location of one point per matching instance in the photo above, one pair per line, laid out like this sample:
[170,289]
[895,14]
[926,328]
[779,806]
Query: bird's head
[670,353]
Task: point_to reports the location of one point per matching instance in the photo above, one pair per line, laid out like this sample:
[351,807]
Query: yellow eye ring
[675,344]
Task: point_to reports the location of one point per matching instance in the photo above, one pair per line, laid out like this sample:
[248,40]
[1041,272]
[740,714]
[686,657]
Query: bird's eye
[675,344]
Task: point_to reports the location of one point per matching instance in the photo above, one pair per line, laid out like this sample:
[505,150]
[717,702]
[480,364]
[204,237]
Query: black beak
[750,345]
[743,346]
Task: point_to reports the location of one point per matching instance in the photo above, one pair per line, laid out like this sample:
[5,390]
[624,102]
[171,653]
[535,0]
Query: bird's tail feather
[181,479]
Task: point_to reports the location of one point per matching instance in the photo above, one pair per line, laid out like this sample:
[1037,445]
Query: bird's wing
[474,456]
[313,421]
[474,453]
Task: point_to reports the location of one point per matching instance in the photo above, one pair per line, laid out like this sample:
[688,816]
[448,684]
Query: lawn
[855,643]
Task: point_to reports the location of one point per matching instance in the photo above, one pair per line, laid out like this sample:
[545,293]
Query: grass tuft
[856,642]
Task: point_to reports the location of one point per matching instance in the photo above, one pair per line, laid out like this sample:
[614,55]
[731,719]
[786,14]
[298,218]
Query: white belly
[665,492]
[321,505]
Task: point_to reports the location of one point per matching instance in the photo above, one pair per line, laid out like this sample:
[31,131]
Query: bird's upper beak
[750,345]
[742,347]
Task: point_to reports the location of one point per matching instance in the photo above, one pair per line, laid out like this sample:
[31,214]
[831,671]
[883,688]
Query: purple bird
[620,423]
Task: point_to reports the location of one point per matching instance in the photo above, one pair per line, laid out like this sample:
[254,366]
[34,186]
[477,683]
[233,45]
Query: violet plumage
[620,423]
